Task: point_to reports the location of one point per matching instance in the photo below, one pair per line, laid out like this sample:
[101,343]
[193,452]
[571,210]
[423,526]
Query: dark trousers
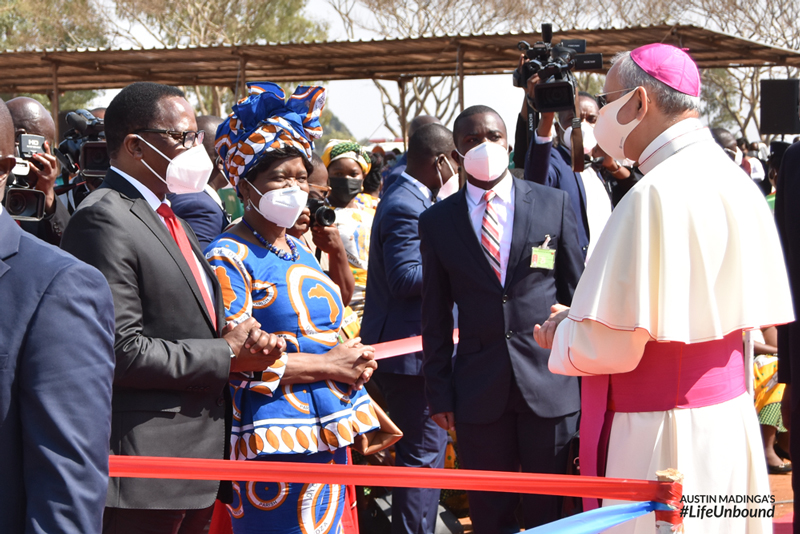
[519,441]
[414,510]
[794,451]
[134,521]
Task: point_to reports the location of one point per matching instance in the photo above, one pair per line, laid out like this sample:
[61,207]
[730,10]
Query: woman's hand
[351,363]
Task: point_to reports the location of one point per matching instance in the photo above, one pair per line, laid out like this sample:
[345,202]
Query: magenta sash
[670,375]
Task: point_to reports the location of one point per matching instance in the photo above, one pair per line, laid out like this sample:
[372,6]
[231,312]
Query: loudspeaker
[780,106]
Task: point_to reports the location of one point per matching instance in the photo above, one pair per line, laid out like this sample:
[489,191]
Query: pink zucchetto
[669,65]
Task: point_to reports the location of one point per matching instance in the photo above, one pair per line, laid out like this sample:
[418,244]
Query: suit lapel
[463,224]
[523,217]
[142,210]
[10,235]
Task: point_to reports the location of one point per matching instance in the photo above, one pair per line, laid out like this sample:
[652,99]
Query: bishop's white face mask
[608,131]
[486,162]
[589,141]
[188,172]
[450,186]
[281,206]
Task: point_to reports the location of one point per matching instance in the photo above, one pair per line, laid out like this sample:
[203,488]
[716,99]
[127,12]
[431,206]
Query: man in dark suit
[30,117]
[553,166]
[171,377]
[400,165]
[56,369]
[504,250]
[787,218]
[392,311]
[204,211]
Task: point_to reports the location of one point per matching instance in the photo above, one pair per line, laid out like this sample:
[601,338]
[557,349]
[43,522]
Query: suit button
[509,334]
[506,298]
[221,401]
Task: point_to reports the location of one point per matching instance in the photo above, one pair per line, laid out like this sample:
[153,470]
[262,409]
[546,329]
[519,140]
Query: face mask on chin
[188,172]
[609,132]
[281,206]
[486,162]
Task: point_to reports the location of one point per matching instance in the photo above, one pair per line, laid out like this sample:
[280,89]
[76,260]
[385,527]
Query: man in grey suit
[173,362]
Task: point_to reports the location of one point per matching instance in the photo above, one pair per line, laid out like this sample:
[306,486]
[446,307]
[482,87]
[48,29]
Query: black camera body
[554,65]
[22,202]
[83,150]
[321,212]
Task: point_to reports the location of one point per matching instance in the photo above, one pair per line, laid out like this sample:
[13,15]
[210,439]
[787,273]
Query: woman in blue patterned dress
[310,405]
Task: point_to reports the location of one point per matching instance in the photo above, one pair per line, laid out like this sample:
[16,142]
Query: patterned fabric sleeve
[227,259]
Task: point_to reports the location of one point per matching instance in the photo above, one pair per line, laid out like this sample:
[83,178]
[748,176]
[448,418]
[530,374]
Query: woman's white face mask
[281,206]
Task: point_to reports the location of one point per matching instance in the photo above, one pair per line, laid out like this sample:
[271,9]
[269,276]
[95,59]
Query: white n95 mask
[188,172]
[486,162]
[281,206]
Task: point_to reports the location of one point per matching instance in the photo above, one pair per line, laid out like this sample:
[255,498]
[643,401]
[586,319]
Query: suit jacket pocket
[468,345]
[146,401]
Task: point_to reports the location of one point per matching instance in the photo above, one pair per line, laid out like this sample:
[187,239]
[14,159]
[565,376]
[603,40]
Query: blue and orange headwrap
[265,121]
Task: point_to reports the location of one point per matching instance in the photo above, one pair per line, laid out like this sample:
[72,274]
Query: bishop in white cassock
[688,260]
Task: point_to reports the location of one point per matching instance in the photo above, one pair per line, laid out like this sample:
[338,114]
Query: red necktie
[179,235]
[490,234]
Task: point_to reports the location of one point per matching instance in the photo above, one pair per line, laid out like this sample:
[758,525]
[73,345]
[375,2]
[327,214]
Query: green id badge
[543,258]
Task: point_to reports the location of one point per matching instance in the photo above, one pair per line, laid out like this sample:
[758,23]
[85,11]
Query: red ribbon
[400,347]
[394,477]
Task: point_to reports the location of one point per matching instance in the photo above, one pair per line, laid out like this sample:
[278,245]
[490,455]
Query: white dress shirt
[419,185]
[153,201]
[503,204]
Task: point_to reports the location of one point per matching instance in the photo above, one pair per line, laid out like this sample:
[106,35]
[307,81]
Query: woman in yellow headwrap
[348,163]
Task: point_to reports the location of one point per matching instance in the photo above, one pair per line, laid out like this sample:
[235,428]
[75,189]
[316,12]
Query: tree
[332,128]
[408,19]
[31,25]
[214,22]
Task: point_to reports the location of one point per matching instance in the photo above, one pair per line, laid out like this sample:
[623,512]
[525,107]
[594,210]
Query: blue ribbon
[598,520]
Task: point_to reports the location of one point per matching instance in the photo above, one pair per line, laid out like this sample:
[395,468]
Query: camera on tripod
[83,150]
[554,64]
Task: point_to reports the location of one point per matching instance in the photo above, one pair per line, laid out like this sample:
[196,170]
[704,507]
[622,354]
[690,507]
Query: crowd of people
[600,313]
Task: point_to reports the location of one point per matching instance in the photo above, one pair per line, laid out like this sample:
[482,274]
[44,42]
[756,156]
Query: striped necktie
[490,234]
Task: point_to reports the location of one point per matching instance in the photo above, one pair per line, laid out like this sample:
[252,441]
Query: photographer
[324,238]
[31,118]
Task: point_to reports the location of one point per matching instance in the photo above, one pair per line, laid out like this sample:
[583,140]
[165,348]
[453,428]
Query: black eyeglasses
[187,139]
[603,101]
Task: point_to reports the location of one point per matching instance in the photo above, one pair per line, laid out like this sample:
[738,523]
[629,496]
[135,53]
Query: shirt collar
[147,194]
[502,189]
[213,194]
[419,185]
[677,136]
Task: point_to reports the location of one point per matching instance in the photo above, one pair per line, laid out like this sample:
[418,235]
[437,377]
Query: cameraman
[30,117]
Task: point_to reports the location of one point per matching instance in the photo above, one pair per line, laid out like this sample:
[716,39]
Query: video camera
[83,150]
[554,64]
[22,201]
[321,212]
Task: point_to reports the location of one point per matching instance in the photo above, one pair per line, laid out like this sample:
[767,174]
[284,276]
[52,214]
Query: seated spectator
[308,406]
[204,211]
[57,359]
[30,117]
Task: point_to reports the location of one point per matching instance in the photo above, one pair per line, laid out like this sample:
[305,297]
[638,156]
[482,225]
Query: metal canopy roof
[43,70]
